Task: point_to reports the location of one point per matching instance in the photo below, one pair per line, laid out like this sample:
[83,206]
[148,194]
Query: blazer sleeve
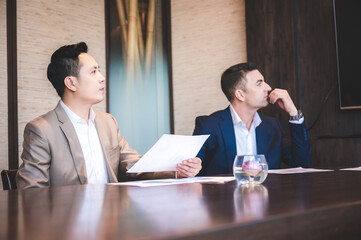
[208,149]
[199,130]
[300,146]
[34,171]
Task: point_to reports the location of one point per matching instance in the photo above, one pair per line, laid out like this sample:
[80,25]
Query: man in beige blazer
[56,149]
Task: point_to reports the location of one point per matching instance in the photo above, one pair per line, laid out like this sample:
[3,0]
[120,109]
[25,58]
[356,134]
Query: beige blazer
[52,155]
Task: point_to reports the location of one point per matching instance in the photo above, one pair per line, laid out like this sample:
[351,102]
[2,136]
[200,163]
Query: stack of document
[163,182]
[297,170]
[352,169]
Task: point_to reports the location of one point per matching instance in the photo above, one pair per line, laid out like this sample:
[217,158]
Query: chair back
[8,178]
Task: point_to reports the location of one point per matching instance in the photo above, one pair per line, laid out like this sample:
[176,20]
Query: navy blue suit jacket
[219,151]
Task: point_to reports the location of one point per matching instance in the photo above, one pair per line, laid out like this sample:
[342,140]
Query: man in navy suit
[240,130]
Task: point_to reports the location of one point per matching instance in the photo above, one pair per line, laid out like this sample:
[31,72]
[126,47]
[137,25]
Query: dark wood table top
[325,205]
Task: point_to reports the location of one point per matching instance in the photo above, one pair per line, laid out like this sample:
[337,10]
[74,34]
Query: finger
[195,163]
[273,98]
[184,173]
[193,160]
[188,170]
[184,168]
[191,165]
[180,174]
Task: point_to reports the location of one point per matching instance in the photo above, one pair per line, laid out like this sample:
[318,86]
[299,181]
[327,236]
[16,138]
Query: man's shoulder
[103,115]
[44,120]
[214,116]
[105,118]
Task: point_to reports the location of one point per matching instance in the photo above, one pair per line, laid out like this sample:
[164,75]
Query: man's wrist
[296,117]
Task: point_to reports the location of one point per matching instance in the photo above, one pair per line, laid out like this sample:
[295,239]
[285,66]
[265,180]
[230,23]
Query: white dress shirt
[90,144]
[246,139]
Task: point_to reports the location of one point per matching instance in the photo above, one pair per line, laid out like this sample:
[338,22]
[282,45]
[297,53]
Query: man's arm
[300,141]
[284,101]
[202,154]
[34,171]
[301,147]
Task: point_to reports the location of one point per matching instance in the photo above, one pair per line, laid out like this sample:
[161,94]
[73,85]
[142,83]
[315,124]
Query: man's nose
[268,87]
[101,78]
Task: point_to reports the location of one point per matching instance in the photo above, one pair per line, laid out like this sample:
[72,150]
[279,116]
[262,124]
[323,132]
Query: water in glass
[250,169]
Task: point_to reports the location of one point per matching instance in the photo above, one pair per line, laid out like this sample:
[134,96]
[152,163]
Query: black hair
[234,78]
[65,62]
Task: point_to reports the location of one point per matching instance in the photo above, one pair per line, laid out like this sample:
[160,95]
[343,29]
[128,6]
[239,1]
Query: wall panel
[207,37]
[318,65]
[295,42]
[3,90]
[270,44]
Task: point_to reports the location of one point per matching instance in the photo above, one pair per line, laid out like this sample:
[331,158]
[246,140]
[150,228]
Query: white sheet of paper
[297,170]
[167,152]
[352,169]
[163,182]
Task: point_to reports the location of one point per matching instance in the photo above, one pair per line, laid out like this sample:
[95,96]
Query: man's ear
[70,83]
[239,94]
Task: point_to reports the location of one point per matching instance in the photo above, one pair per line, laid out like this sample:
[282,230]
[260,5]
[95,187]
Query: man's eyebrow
[259,81]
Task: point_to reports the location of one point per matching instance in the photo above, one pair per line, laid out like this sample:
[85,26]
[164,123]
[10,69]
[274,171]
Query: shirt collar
[74,118]
[237,120]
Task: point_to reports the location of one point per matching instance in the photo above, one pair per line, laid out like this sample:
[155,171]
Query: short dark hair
[234,78]
[65,62]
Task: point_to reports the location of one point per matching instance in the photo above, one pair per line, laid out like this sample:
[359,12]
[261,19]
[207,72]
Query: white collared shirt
[245,140]
[90,145]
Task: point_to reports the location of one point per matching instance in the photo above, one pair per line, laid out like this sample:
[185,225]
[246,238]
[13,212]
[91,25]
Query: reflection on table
[250,200]
[304,206]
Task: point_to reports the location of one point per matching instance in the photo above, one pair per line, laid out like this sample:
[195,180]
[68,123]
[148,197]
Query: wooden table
[324,205]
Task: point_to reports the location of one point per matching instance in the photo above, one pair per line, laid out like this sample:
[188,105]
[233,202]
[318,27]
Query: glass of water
[250,169]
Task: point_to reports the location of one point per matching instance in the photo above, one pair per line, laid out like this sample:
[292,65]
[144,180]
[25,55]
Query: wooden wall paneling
[270,44]
[317,60]
[167,45]
[12,87]
[3,90]
[318,65]
[310,71]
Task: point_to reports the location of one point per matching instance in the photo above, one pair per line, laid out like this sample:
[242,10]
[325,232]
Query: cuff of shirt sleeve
[299,121]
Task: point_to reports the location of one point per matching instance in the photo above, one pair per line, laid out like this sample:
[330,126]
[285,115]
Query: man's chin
[98,101]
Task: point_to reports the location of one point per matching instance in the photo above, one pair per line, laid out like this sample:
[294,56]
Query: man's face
[90,81]
[256,94]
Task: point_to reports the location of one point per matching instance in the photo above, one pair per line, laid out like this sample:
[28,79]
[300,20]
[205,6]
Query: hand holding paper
[189,168]
[169,151]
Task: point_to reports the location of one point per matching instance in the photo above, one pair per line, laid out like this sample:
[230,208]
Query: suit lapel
[262,137]
[101,127]
[229,138]
[73,141]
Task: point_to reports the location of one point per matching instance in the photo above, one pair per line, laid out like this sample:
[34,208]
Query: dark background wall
[293,42]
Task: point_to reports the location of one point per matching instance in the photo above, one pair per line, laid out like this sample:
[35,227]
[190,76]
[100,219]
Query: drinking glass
[250,169]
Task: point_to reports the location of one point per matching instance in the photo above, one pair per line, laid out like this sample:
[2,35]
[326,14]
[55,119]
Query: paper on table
[297,170]
[352,169]
[163,182]
[167,152]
